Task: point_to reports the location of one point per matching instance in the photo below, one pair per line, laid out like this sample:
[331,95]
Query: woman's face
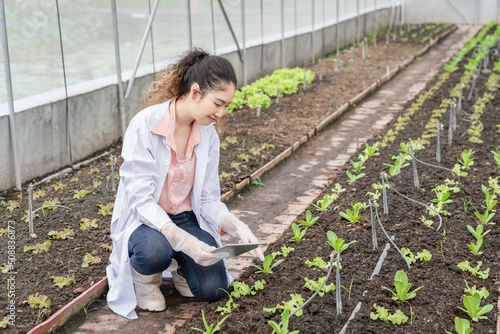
[213,105]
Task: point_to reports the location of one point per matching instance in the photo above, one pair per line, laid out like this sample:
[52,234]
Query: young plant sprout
[298,234]
[209,329]
[293,304]
[337,243]
[353,177]
[351,216]
[383,314]
[283,329]
[467,161]
[473,309]
[315,285]
[490,199]
[402,287]
[324,203]
[371,150]
[475,271]
[267,265]
[462,326]
[483,293]
[309,219]
[229,307]
[358,166]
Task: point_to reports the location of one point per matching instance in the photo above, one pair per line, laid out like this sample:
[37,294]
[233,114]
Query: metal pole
[10,97]
[337,38]
[262,37]
[295,25]
[152,44]
[323,33]
[243,42]
[357,22]
[403,9]
[190,34]
[478,11]
[121,105]
[213,25]
[141,48]
[282,33]
[312,34]
[498,11]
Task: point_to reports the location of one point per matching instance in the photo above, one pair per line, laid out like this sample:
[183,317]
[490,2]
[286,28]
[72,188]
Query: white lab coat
[142,175]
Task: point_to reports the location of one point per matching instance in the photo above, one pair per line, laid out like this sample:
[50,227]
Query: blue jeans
[151,253]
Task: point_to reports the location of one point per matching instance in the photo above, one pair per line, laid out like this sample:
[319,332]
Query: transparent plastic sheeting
[87,34]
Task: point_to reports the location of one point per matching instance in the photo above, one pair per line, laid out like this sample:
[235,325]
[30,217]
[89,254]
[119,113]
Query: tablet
[238,249]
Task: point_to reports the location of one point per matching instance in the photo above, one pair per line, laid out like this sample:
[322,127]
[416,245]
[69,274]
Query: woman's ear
[195,91]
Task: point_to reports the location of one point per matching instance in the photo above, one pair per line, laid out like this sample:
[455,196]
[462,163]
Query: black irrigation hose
[65,85]
[332,257]
[410,150]
[387,235]
[412,200]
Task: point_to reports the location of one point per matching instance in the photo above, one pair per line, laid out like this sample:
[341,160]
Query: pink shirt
[176,192]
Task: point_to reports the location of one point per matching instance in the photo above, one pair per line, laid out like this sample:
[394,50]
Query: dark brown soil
[436,305]
[277,125]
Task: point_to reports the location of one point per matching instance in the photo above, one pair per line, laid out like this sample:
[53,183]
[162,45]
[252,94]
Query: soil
[277,125]
[436,305]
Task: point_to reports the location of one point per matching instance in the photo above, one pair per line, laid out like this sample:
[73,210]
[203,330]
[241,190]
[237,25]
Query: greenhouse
[250,166]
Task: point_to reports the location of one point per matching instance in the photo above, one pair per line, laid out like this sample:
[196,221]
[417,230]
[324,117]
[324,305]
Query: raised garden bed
[65,256]
[436,305]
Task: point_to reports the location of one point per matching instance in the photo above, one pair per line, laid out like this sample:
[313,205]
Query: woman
[168,212]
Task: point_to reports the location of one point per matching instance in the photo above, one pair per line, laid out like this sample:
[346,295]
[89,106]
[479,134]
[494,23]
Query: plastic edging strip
[61,316]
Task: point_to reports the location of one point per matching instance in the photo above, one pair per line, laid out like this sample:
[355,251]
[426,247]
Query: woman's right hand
[182,241]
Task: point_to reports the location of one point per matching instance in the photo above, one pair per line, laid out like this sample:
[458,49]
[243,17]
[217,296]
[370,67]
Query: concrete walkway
[288,189]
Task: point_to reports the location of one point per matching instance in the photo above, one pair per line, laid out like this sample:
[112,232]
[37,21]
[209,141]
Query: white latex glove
[182,241]
[236,228]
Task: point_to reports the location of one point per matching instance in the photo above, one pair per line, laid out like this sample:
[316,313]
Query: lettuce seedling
[383,314]
[107,247]
[442,197]
[4,322]
[402,287]
[315,285]
[38,248]
[352,216]
[490,198]
[478,232]
[353,177]
[87,224]
[267,265]
[337,243]
[475,247]
[324,203]
[309,219]
[371,150]
[283,329]
[5,268]
[284,251]
[485,218]
[58,185]
[38,301]
[209,329]
[229,307]
[88,259]
[473,309]
[106,210]
[61,281]
[67,233]
[462,326]
[466,161]
[320,264]
[298,234]
[424,255]
[293,304]
[80,193]
[483,293]
[465,266]
[242,289]
[358,166]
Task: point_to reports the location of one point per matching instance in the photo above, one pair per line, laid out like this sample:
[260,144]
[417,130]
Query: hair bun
[194,56]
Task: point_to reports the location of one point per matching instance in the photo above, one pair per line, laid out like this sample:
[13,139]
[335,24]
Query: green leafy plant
[267,265]
[256,181]
[87,224]
[475,247]
[284,251]
[473,309]
[5,268]
[319,264]
[490,199]
[231,140]
[397,318]
[88,259]
[351,216]
[442,197]
[315,285]
[309,219]
[209,329]
[80,193]
[38,194]
[324,203]
[4,322]
[467,161]
[10,205]
[266,146]
[485,218]
[61,281]
[337,243]
[293,304]
[483,293]
[402,287]
[462,326]
[297,233]
[371,150]
[106,210]
[353,177]
[283,329]
[58,186]
[96,183]
[357,166]
[242,289]
[424,255]
[38,301]
[67,233]
[475,271]
[107,247]
[229,307]
[38,248]
[427,222]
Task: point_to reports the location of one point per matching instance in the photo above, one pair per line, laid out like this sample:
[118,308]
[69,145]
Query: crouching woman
[168,211]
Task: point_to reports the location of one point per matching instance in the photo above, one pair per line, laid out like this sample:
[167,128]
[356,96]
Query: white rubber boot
[181,284]
[147,291]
